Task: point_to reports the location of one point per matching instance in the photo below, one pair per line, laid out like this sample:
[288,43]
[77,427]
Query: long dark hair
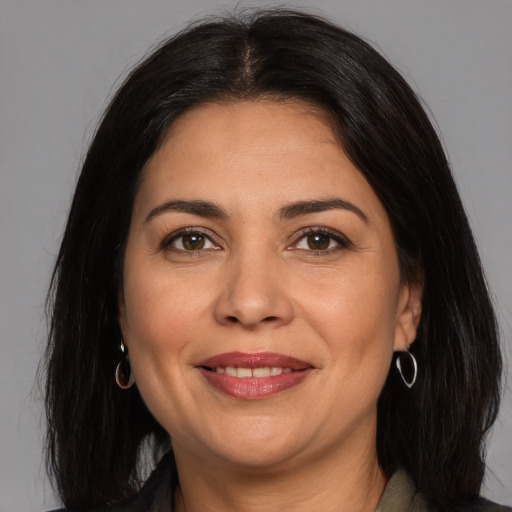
[96,432]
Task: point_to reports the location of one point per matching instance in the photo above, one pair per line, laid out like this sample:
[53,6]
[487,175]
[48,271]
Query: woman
[267,270]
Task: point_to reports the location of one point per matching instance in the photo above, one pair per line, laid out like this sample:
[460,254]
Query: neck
[340,480]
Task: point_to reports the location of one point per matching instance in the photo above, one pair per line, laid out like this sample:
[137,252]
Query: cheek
[161,318]
[354,314]
[158,307]
[353,304]
[161,315]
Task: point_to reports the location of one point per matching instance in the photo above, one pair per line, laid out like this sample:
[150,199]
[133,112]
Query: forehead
[246,128]
[260,152]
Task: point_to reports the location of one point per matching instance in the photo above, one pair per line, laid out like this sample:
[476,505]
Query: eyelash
[341,241]
[167,242]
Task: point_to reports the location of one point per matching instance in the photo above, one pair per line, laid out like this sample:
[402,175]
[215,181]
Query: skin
[257,286]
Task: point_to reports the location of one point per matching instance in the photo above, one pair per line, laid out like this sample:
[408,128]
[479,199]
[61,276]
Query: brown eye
[318,241]
[193,242]
[189,241]
[321,241]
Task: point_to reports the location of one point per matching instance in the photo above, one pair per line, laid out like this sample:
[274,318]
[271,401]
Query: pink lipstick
[253,376]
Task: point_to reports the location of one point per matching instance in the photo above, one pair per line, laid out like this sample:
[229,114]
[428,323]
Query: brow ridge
[299,208]
[290,211]
[194,207]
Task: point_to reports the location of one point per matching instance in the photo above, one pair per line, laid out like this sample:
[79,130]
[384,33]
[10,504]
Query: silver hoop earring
[124,377]
[414,364]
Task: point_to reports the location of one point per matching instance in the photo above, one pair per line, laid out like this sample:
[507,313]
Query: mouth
[243,373]
[253,376]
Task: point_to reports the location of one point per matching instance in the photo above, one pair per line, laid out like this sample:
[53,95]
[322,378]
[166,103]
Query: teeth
[243,373]
[261,372]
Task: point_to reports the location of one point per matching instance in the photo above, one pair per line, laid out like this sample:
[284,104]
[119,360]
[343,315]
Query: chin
[257,455]
[252,444]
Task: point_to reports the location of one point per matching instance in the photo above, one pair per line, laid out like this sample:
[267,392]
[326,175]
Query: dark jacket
[400,495]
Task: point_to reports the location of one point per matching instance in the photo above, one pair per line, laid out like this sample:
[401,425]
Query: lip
[251,388]
[257,360]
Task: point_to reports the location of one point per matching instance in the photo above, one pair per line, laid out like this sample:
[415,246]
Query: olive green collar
[400,495]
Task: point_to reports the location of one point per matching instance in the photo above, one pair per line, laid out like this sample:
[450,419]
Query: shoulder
[489,506]
[154,496]
[479,505]
[401,495]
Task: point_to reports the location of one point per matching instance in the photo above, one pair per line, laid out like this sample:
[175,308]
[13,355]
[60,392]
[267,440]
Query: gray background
[58,61]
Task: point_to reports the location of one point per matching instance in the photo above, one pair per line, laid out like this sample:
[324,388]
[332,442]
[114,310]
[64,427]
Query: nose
[255,293]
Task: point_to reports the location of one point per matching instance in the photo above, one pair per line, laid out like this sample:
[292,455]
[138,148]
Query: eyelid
[166,242]
[342,241]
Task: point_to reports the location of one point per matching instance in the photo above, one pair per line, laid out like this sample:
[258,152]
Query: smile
[253,376]
[242,373]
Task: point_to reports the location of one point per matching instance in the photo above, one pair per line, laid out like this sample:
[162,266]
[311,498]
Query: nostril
[234,320]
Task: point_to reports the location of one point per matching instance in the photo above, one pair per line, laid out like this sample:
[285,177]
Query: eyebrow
[290,211]
[306,207]
[195,207]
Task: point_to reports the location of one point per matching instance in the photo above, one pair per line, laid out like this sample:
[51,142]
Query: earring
[414,365]
[124,377]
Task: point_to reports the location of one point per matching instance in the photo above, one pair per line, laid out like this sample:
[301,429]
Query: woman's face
[261,300]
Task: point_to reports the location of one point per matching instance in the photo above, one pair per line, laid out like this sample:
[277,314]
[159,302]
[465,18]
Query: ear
[408,315]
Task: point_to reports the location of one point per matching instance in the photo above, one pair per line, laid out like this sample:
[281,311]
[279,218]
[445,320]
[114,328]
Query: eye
[320,241]
[316,242]
[187,240]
